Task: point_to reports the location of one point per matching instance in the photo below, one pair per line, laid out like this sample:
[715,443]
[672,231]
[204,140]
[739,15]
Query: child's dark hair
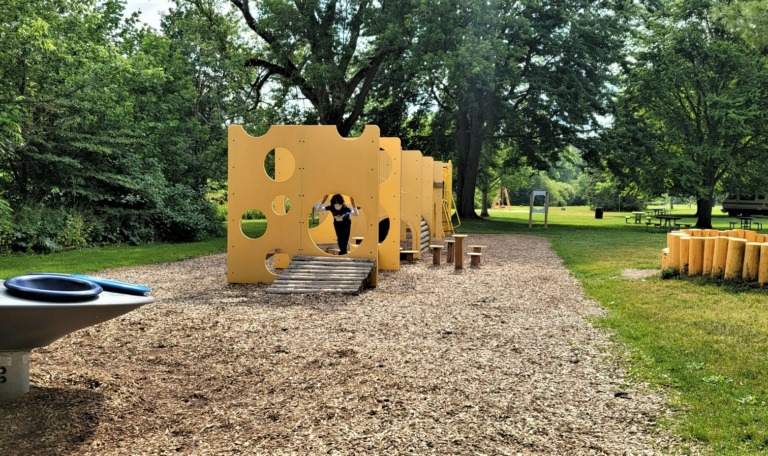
[337,199]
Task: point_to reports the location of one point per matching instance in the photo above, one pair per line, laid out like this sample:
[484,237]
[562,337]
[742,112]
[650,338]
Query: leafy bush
[253,214]
[184,215]
[6,224]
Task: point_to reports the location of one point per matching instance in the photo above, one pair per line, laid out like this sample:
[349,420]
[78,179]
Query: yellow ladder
[448,227]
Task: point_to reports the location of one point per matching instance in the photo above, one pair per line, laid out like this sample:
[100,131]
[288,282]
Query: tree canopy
[113,132]
[692,112]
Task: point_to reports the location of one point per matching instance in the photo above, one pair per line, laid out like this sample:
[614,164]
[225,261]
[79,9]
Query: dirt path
[496,360]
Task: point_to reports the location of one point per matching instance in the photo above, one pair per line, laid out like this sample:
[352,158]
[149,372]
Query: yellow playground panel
[427,194]
[438,231]
[410,204]
[389,197]
[309,163]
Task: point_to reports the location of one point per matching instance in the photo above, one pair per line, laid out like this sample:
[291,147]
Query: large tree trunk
[704,213]
[471,126]
[484,206]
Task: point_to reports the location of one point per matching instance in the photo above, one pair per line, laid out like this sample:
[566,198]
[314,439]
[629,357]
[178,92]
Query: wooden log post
[673,244]
[665,258]
[436,254]
[751,262]
[458,253]
[709,253]
[450,247]
[719,256]
[734,261]
[475,259]
[750,236]
[685,248]
[696,256]
[762,270]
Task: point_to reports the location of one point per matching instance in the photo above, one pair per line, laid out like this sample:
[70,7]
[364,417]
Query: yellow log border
[734,261]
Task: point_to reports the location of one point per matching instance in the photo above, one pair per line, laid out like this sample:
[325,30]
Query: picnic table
[657,211]
[668,222]
[638,216]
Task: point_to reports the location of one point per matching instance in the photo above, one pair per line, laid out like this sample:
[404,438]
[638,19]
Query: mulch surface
[495,360]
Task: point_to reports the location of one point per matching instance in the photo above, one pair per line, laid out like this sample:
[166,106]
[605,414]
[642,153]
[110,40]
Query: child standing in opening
[342,222]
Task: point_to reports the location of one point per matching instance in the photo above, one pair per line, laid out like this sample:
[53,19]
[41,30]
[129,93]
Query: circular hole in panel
[383,227]
[324,230]
[407,236]
[385,165]
[281,205]
[253,224]
[279,164]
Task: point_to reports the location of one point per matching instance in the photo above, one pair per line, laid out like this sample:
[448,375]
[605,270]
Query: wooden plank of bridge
[323,275]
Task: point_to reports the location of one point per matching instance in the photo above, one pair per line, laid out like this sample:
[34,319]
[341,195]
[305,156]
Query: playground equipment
[502,200]
[740,255]
[397,192]
[36,310]
[543,209]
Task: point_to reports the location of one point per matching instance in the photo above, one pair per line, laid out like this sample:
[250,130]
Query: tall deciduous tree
[694,110]
[331,51]
[529,73]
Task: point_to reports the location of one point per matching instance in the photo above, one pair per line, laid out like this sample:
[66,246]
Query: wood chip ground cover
[495,360]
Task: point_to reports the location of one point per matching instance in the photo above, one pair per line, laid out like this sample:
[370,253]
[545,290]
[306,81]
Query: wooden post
[436,254]
[458,253]
[696,256]
[673,243]
[449,250]
[685,248]
[475,259]
[719,256]
[750,236]
[751,262]
[709,253]
[762,272]
[734,260]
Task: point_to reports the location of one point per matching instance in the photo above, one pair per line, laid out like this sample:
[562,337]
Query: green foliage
[6,224]
[604,191]
[253,214]
[529,78]
[46,230]
[329,52]
[184,216]
[694,109]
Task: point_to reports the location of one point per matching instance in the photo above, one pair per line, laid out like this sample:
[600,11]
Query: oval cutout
[279,164]
[253,224]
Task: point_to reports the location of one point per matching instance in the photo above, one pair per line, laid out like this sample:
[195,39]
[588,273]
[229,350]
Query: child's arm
[321,205]
[354,207]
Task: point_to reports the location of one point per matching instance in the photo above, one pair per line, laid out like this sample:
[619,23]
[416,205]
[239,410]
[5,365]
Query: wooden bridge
[306,274]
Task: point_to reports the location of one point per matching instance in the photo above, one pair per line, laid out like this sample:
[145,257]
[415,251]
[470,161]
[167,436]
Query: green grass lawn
[705,341]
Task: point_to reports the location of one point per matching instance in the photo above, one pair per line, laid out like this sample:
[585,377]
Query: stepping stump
[474,259]
[458,259]
[436,254]
[449,250]
[408,255]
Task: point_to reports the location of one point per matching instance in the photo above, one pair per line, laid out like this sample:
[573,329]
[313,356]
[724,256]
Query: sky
[150,10]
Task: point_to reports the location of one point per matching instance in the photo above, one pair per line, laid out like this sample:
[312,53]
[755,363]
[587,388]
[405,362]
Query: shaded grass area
[706,340]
